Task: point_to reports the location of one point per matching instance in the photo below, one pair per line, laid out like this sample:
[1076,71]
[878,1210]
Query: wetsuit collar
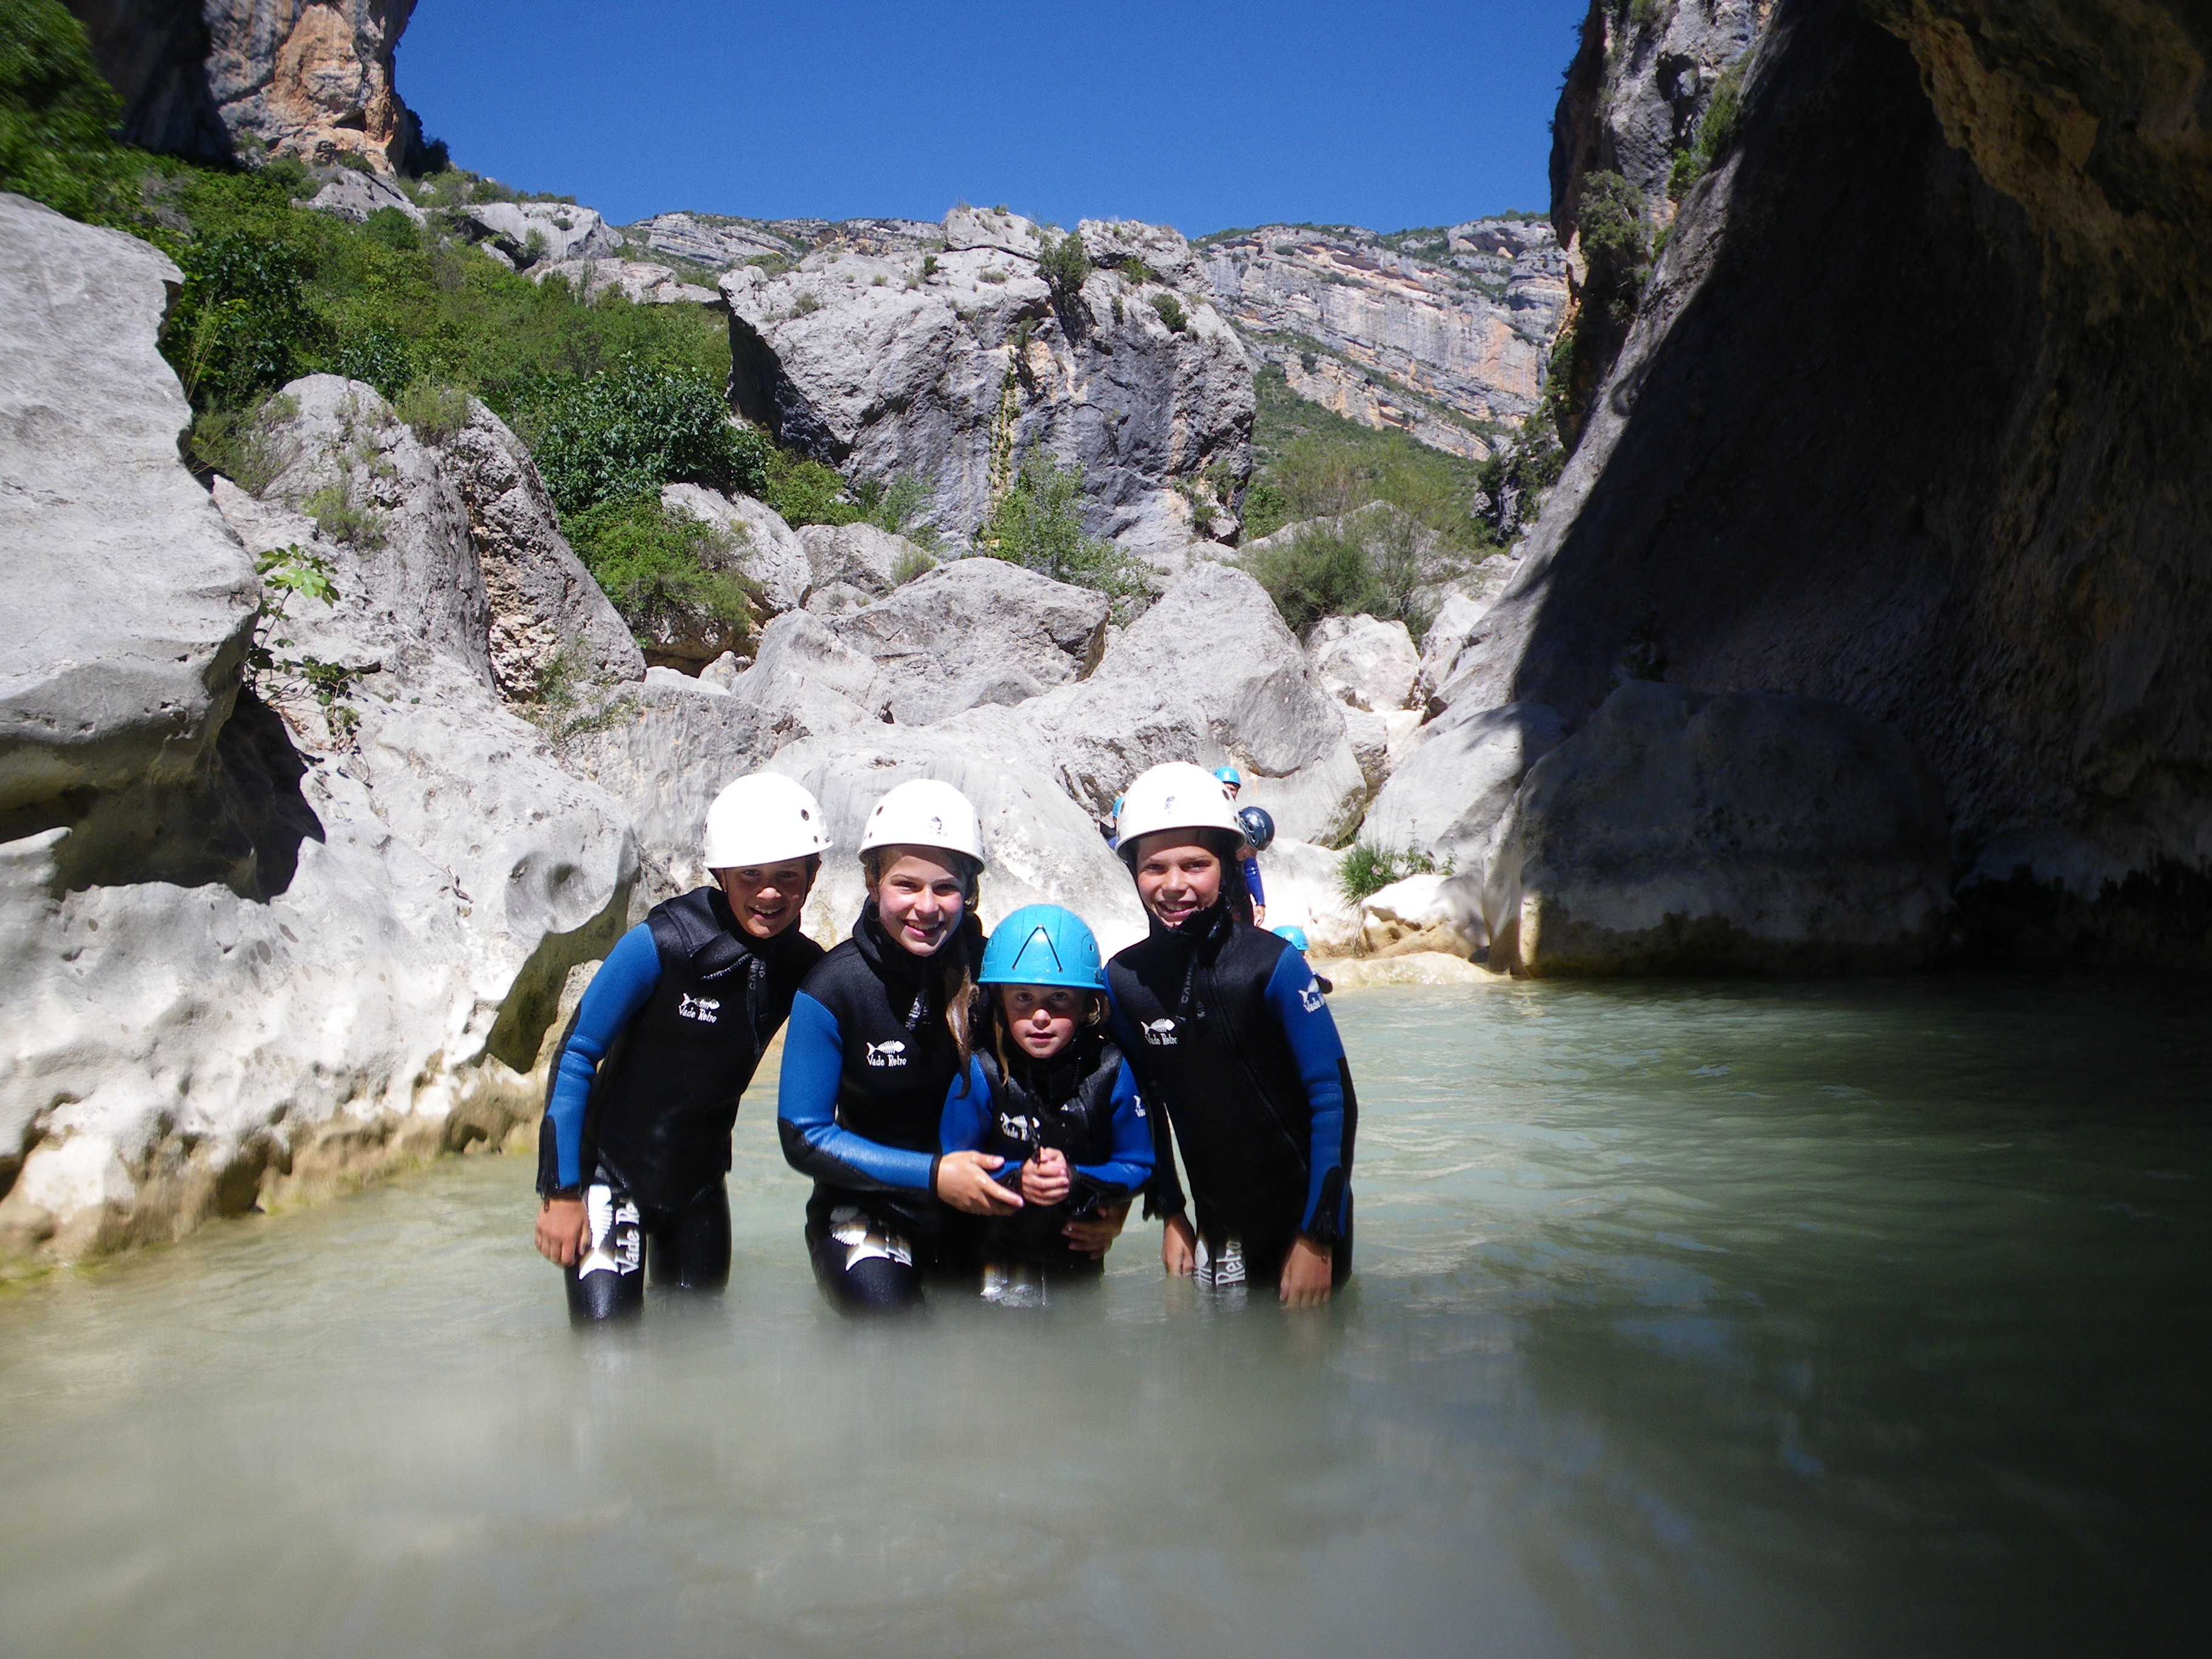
[1057,1078]
[1207,928]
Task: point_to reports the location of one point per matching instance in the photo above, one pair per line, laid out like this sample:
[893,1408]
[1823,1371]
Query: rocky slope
[1949,474]
[212,79]
[952,364]
[1440,334]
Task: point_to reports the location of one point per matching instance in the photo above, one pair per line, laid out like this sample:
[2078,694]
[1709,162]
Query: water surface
[1863,1318]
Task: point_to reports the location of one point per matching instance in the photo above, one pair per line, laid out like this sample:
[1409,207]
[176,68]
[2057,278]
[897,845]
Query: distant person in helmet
[1048,1092]
[1248,866]
[636,1141]
[880,1029]
[1233,1043]
[1297,939]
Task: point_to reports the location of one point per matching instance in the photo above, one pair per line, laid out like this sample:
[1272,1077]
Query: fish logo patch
[705,1010]
[1161,1033]
[887,1053]
[1310,997]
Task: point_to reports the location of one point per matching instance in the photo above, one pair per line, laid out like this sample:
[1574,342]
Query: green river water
[1858,1318]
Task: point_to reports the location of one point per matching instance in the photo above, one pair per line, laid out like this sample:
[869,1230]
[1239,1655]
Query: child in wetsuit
[1047,1091]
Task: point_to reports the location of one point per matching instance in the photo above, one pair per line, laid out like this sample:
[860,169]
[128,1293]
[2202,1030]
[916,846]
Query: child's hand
[964,1181]
[1179,1247]
[1045,1178]
[1305,1276]
[561,1232]
[1094,1234]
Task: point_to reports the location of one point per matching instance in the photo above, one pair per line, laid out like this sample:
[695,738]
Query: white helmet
[1175,796]
[923,812]
[764,819]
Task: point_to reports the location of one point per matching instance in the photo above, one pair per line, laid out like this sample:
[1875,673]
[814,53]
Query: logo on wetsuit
[702,1009]
[1311,996]
[1160,1033]
[887,1053]
[1019,1129]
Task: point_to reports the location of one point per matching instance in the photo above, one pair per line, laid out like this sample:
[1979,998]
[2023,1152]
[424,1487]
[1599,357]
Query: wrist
[936,1163]
[565,1195]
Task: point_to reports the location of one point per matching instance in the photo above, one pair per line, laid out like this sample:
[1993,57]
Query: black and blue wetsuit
[1083,1102]
[643,1098]
[866,1066]
[1233,1041]
[1252,883]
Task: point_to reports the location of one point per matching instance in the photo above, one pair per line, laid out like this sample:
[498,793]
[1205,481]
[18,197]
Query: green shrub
[928,267]
[1137,270]
[1038,525]
[900,506]
[1064,267]
[57,118]
[341,517]
[653,563]
[1610,214]
[1328,573]
[1170,310]
[804,491]
[376,353]
[1366,869]
[1267,510]
[241,323]
[630,430]
[910,564]
[436,412]
[1717,130]
[391,229]
[805,305]
[239,444]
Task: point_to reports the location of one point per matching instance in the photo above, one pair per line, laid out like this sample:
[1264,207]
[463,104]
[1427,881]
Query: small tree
[1064,267]
[1038,525]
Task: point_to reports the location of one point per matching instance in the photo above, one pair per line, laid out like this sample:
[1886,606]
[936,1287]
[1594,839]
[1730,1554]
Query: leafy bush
[1716,131]
[655,564]
[805,305]
[239,444]
[341,518]
[910,564]
[1038,525]
[393,230]
[57,117]
[1170,310]
[1371,562]
[900,507]
[436,412]
[378,355]
[1064,267]
[242,322]
[1313,463]
[1610,214]
[628,431]
[1367,869]
[804,491]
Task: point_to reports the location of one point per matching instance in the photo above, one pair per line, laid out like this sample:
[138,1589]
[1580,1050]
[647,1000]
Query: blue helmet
[1042,945]
[1258,827]
[1230,775]
[1296,937]
[1118,800]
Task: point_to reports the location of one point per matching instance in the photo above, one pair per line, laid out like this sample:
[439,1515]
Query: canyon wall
[1912,415]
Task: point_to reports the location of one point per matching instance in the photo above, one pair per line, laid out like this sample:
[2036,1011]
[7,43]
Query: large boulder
[761,543]
[880,364]
[1040,846]
[809,681]
[376,974]
[975,631]
[1208,675]
[1364,662]
[1422,914]
[851,565]
[1748,832]
[1445,798]
[129,603]
[1305,889]
[640,282]
[354,196]
[527,233]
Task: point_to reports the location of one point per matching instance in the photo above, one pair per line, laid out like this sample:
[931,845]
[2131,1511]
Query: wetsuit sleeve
[806,1114]
[1131,1164]
[625,983]
[1163,1192]
[1297,1001]
[1252,881]
[967,1112]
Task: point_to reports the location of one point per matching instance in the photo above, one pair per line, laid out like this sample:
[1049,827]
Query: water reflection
[1784,1320]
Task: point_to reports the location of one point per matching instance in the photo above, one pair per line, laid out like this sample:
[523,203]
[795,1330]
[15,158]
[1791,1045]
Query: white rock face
[1041,847]
[1364,662]
[975,631]
[527,234]
[1747,832]
[1302,891]
[810,680]
[851,565]
[354,196]
[638,281]
[1446,797]
[128,602]
[1462,624]
[419,875]
[867,363]
[1209,675]
[1423,914]
[762,543]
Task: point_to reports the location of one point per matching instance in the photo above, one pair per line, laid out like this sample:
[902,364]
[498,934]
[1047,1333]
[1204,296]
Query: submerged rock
[1745,833]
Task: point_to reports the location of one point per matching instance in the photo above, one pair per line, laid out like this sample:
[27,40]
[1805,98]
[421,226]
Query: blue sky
[1388,113]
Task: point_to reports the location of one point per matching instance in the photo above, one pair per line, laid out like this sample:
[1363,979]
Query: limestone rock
[762,543]
[848,559]
[809,679]
[129,602]
[354,196]
[1747,832]
[1446,797]
[1366,663]
[527,233]
[232,77]
[1458,623]
[637,280]
[1412,967]
[1369,738]
[550,622]
[1439,334]
[1040,846]
[865,363]
[975,631]
[1160,249]
[1302,886]
[1423,914]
